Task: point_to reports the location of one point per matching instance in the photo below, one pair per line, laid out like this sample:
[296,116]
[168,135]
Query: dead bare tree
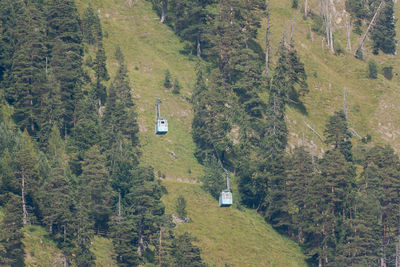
[292,28]
[344,103]
[305,8]
[369,28]
[266,71]
[326,8]
[164,11]
[349,27]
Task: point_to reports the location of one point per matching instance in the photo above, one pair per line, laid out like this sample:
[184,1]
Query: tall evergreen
[96,183]
[91,26]
[27,73]
[383,32]
[337,134]
[27,175]
[65,37]
[145,206]
[11,233]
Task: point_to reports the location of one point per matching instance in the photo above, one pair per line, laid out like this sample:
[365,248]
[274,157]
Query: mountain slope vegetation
[85,181]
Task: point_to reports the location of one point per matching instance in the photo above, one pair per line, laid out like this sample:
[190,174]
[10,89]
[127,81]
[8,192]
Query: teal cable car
[225,198]
[161,123]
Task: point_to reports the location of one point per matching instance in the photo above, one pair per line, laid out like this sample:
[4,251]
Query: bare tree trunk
[160,250]
[266,71]
[369,28]
[198,46]
[349,26]
[305,9]
[292,29]
[25,213]
[344,103]
[164,11]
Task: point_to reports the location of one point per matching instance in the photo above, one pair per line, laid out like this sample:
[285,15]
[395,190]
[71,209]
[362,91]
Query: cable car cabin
[225,199]
[161,126]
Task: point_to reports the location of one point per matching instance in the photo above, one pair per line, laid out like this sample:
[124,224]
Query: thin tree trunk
[369,28]
[349,26]
[305,9]
[25,213]
[292,29]
[164,11]
[160,250]
[344,103]
[198,46]
[266,71]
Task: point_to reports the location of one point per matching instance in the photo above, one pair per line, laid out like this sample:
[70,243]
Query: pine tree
[97,185]
[185,253]
[181,207]
[144,201]
[101,74]
[27,174]
[11,233]
[65,38]
[300,171]
[27,72]
[125,240]
[211,122]
[191,22]
[383,32]
[91,26]
[338,135]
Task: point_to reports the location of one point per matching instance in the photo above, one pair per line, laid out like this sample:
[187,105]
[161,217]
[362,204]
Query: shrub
[387,72]
[177,87]
[167,80]
[372,69]
[181,207]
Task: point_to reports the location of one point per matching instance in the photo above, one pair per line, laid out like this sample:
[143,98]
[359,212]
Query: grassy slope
[371,103]
[229,236]
[149,49]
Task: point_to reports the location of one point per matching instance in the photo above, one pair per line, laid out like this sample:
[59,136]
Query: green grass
[150,48]
[371,103]
[103,250]
[39,249]
[228,235]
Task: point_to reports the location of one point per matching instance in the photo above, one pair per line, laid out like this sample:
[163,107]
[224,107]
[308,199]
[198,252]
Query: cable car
[161,123]
[225,198]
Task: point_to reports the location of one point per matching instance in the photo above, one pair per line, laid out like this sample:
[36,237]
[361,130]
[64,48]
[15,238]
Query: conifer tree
[300,171]
[191,22]
[144,201]
[27,74]
[383,32]
[96,184]
[27,174]
[65,39]
[185,252]
[11,233]
[210,123]
[91,26]
[338,135]
[125,240]
[101,73]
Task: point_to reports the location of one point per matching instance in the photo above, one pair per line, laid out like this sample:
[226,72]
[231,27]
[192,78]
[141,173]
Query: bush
[295,3]
[338,48]
[388,72]
[372,69]
[359,54]
[167,80]
[177,87]
[181,207]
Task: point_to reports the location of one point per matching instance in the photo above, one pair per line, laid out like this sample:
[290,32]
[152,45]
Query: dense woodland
[70,153]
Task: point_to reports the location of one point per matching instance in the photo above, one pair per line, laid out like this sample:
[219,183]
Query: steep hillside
[371,103]
[229,235]
[239,238]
